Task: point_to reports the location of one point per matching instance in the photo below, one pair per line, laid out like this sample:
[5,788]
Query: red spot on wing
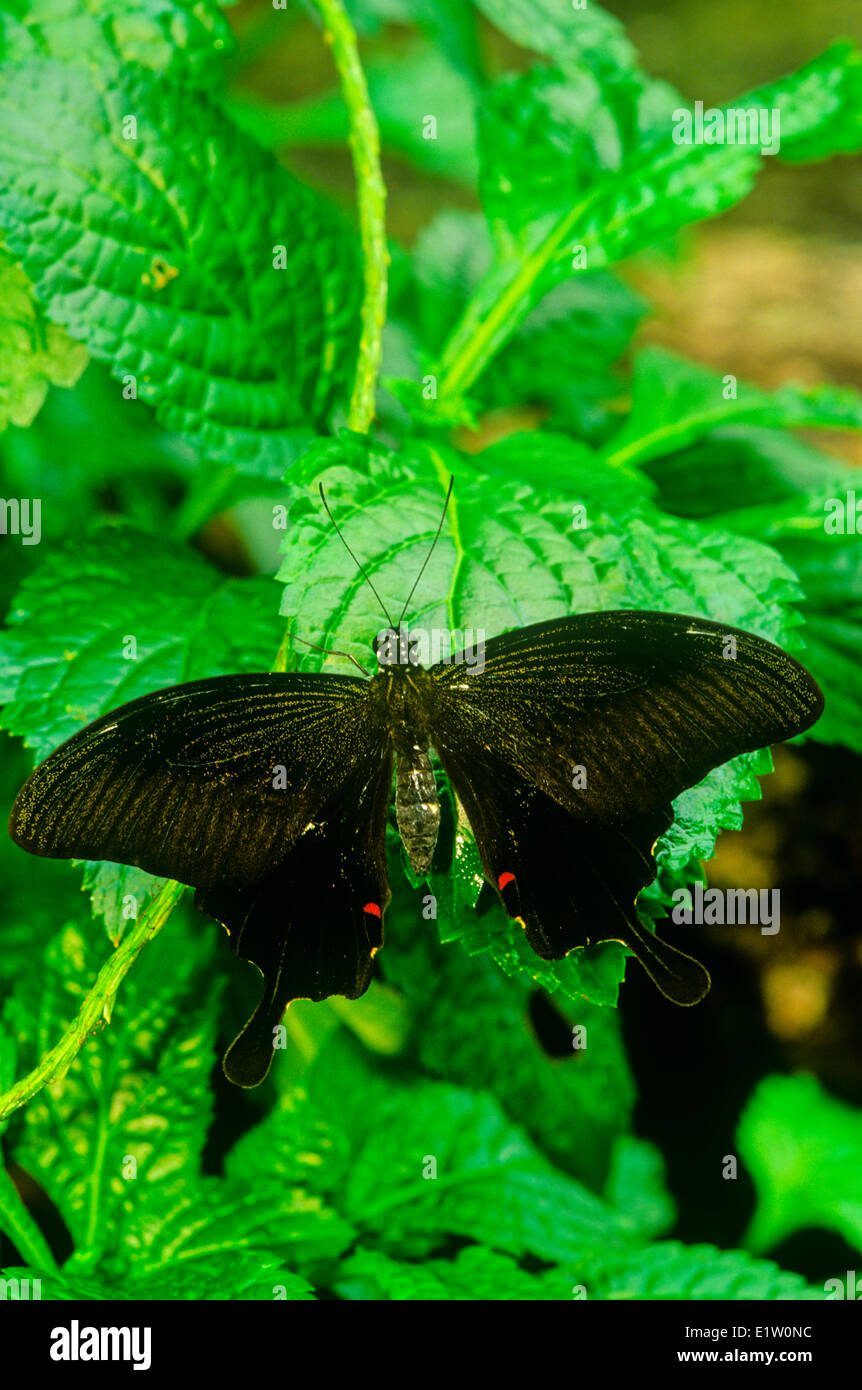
[505,879]
[373,908]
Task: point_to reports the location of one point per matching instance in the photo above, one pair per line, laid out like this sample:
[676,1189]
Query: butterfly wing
[268,793]
[569,745]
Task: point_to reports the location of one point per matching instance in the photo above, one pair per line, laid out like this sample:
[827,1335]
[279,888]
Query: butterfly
[565,743]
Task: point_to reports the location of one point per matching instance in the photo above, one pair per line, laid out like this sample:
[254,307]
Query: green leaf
[550,461]
[432,1160]
[637,1187]
[574,37]
[614,181]
[830,572]
[805,1174]
[560,357]
[67,655]
[170,276]
[34,353]
[120,893]
[237,1276]
[130,1117]
[224,1218]
[726,467]
[188,36]
[476,1274]
[548,138]
[670,1270]
[821,106]
[675,403]
[292,1145]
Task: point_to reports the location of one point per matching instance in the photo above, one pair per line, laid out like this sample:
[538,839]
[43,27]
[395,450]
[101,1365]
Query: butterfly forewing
[645,703]
[206,782]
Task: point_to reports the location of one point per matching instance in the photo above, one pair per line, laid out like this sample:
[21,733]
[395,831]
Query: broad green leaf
[670,1270]
[803,1151]
[555,462]
[476,1274]
[676,403]
[171,276]
[747,476]
[821,107]
[233,1277]
[586,201]
[637,1186]
[34,353]
[223,1218]
[432,1161]
[562,355]
[293,1145]
[830,572]
[120,893]
[188,36]
[130,1117]
[115,615]
[547,138]
[574,36]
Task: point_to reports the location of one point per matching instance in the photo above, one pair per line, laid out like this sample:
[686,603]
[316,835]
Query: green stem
[501,301]
[371,207]
[98,1003]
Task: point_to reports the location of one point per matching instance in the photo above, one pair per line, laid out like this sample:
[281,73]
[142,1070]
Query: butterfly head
[395,647]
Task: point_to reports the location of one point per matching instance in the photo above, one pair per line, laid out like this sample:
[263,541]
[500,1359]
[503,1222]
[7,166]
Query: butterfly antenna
[331,651]
[363,571]
[430,552]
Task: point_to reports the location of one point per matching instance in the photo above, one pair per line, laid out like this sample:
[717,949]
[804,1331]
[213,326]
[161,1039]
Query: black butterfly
[270,793]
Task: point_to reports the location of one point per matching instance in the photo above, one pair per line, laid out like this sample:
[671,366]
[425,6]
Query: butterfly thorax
[417,806]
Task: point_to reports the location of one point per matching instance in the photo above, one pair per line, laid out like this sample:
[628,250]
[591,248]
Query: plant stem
[98,1004]
[371,206]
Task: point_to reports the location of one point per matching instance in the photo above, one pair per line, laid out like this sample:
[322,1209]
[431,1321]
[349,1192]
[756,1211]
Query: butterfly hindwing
[569,745]
[313,924]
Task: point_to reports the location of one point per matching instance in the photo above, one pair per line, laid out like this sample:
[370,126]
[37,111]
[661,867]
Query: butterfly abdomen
[417,807]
